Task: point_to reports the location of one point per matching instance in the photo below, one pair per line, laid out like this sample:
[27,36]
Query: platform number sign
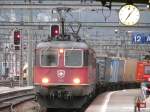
[140,38]
[137,38]
[148,39]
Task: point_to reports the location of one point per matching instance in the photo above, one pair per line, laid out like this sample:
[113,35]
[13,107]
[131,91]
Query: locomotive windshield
[49,57]
[147,69]
[73,58]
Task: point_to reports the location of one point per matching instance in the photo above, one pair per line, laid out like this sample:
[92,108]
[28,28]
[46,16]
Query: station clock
[129,15]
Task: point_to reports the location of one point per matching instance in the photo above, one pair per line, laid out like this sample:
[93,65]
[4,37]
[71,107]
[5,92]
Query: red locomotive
[65,73]
[65,69]
[143,71]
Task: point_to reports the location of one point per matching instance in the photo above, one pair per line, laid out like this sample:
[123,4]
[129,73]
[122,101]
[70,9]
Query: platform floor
[115,101]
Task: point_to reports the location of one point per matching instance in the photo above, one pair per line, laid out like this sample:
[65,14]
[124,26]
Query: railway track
[10,83]
[9,100]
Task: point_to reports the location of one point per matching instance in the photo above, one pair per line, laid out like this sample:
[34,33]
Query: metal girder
[84,24]
[127,1]
[47,6]
[41,1]
[52,5]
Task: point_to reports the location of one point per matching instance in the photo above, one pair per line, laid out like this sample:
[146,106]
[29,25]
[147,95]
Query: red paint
[86,74]
[70,74]
[140,74]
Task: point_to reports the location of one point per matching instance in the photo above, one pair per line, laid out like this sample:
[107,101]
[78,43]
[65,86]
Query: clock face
[129,15]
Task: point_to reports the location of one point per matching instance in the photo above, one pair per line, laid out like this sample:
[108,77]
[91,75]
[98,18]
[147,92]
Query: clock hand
[129,14]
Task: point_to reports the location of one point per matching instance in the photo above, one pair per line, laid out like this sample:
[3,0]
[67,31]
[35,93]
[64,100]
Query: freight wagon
[116,72]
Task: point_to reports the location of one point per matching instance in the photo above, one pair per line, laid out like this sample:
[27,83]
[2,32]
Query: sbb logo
[60,74]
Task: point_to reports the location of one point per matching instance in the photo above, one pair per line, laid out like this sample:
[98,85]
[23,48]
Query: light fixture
[148,6]
[61,50]
[76,81]
[106,4]
[45,80]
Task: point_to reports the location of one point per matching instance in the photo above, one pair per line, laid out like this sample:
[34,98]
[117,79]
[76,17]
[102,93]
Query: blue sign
[140,38]
[147,39]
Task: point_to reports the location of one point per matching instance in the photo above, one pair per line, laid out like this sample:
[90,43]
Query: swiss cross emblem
[60,74]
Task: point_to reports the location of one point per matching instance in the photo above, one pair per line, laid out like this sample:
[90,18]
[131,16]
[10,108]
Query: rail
[10,83]
[9,100]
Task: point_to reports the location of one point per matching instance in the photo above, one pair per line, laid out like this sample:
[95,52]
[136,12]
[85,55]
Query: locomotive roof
[63,44]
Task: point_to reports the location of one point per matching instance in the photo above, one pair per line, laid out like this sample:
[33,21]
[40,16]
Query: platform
[115,101]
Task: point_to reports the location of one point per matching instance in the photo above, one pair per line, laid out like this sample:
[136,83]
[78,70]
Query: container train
[67,73]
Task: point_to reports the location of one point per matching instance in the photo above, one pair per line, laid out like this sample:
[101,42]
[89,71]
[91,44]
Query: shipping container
[116,70]
[107,69]
[130,70]
[100,68]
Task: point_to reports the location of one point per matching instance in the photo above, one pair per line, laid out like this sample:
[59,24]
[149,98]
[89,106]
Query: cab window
[49,57]
[147,70]
[73,58]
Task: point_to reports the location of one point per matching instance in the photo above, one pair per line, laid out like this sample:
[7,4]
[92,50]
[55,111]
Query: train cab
[143,71]
[65,64]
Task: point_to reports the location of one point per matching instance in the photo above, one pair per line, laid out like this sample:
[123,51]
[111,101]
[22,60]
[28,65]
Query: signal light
[16,37]
[54,30]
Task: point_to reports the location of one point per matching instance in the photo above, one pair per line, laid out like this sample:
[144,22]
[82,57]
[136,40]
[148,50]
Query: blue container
[114,70]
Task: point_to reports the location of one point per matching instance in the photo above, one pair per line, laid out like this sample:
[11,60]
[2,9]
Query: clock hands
[129,14]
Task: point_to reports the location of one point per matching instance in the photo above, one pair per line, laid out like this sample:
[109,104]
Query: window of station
[147,70]
[73,58]
[49,58]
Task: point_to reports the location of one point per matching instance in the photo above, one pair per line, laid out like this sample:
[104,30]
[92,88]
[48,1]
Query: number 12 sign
[140,38]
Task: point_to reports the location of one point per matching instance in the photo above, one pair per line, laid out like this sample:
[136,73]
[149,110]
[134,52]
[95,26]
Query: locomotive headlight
[61,50]
[76,81]
[45,80]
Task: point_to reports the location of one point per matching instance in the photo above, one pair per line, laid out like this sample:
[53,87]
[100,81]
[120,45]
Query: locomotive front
[64,71]
[143,71]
